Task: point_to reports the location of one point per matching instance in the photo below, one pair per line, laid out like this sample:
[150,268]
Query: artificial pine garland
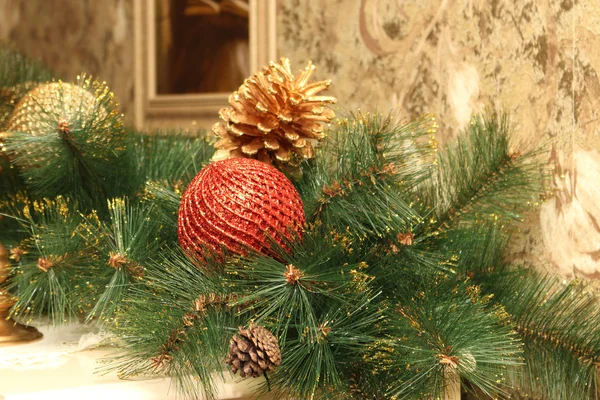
[398,286]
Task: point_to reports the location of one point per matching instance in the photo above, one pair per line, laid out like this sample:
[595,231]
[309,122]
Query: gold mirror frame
[189,110]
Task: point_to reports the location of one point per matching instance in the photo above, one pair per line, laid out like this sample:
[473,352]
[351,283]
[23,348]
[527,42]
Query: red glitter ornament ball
[238,204]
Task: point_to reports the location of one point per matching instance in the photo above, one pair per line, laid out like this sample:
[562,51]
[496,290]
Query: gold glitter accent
[449,361]
[292,274]
[119,261]
[406,238]
[46,263]
[16,254]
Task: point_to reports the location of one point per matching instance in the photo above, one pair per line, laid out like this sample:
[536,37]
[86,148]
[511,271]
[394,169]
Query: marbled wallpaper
[538,59]
[75,36]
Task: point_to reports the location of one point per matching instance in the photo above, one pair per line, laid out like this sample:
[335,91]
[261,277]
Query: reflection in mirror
[202,45]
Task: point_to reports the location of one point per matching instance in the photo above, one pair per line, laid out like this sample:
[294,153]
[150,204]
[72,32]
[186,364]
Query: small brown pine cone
[253,351]
[274,116]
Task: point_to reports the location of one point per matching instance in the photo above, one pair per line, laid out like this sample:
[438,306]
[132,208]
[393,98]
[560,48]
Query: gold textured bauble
[56,101]
[84,114]
[274,116]
[9,98]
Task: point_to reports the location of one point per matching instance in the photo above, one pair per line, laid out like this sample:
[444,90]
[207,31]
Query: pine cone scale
[290,134]
[271,144]
[267,125]
[316,87]
[242,356]
[252,147]
[304,76]
[283,154]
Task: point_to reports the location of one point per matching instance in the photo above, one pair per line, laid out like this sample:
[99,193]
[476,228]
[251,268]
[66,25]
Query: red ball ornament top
[238,204]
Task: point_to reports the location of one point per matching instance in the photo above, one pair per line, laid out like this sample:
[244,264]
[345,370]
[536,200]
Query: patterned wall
[75,36]
[539,59]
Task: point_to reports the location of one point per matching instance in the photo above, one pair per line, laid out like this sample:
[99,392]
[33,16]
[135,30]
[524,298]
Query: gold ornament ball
[85,113]
[57,101]
[9,97]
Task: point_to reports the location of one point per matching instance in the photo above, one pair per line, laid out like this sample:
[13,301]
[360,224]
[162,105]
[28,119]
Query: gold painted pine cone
[274,116]
[253,351]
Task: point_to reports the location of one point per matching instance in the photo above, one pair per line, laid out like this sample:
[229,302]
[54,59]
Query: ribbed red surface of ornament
[238,204]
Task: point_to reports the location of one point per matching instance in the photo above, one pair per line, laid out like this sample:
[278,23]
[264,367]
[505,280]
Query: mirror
[202,46]
[192,54]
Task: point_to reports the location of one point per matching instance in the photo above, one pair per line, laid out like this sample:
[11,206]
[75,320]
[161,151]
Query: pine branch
[197,312]
[317,359]
[444,328]
[70,154]
[53,267]
[559,328]
[17,68]
[357,181]
[185,334]
[12,230]
[165,206]
[557,324]
[123,244]
[317,270]
[480,178]
[170,158]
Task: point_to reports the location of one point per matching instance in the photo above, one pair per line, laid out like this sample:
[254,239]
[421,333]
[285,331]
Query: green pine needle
[479,177]
[53,275]
[73,161]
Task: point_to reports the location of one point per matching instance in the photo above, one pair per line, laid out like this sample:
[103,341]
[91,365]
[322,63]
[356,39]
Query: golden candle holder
[11,332]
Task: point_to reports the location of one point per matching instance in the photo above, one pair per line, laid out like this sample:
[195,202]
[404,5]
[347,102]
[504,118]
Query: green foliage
[67,140]
[16,68]
[165,203]
[558,324]
[293,291]
[398,285]
[185,334]
[446,328]
[360,178]
[168,158]
[319,356]
[123,245]
[11,183]
[480,178]
[53,272]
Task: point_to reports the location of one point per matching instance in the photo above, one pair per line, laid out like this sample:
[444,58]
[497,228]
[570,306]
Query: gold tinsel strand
[274,116]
